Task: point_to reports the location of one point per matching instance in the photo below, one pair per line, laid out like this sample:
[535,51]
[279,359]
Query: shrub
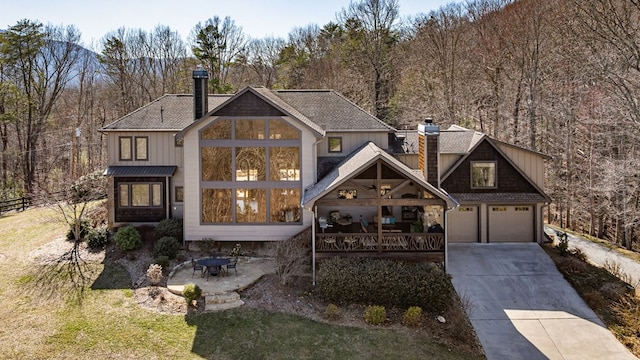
[191,293]
[385,282]
[331,312]
[412,317]
[375,315]
[236,250]
[171,227]
[207,246]
[84,230]
[128,238]
[98,237]
[154,273]
[167,246]
[290,257]
[162,260]
[563,246]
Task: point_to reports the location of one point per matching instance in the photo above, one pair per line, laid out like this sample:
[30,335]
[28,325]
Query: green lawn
[109,323]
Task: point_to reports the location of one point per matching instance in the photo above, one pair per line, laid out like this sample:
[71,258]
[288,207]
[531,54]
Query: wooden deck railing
[344,242]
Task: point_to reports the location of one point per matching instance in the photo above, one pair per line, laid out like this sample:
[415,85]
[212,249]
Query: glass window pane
[157,194]
[125,148]
[284,163]
[216,206]
[483,174]
[221,129]
[335,144]
[216,163]
[124,194]
[251,205]
[141,148]
[250,129]
[139,194]
[280,129]
[179,194]
[285,205]
[250,164]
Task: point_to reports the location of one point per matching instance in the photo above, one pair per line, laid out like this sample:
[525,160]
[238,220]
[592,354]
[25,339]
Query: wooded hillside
[558,77]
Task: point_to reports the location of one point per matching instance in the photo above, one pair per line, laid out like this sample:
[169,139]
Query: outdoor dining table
[211,262]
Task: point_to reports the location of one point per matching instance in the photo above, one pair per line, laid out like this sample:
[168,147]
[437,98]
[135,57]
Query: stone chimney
[428,151]
[200,92]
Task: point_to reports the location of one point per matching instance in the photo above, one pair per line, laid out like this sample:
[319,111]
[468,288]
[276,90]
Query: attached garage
[511,223]
[463,225]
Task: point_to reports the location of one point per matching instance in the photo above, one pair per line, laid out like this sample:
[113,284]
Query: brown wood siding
[509,180]
[248,104]
[131,214]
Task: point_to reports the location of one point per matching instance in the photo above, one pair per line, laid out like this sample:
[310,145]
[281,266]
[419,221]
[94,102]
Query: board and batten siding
[531,164]
[353,140]
[411,160]
[447,161]
[162,149]
[194,230]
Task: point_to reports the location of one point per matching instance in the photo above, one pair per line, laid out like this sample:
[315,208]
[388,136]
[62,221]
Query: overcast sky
[258,18]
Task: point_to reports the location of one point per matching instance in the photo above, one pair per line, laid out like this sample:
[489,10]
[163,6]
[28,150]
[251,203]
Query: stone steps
[219,302]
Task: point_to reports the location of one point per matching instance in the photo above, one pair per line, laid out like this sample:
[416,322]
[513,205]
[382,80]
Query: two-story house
[266,165]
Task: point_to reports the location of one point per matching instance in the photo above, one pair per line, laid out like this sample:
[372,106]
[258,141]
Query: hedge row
[384,282]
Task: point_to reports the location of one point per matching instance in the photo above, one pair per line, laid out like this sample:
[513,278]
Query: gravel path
[601,256]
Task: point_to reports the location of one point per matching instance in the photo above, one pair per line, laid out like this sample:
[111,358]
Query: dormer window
[483,175]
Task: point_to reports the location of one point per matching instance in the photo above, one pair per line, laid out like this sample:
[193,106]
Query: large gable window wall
[250,171]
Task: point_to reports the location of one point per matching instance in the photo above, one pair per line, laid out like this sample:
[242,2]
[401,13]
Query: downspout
[446,228]
[168,197]
[446,238]
[313,245]
[540,236]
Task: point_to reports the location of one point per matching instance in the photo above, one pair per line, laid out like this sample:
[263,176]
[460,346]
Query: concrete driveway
[522,308]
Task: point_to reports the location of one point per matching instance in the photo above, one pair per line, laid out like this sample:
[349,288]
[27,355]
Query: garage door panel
[463,225]
[511,223]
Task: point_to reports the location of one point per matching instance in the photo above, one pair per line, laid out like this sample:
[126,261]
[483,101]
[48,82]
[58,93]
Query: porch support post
[313,245]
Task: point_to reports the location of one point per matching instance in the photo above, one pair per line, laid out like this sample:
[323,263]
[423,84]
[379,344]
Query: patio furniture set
[213,266]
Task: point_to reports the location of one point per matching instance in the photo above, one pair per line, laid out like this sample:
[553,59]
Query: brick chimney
[428,151]
[200,92]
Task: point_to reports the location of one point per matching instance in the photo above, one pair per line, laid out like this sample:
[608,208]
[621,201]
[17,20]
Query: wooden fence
[19,204]
[23,203]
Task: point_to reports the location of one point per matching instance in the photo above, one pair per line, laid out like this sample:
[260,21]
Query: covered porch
[373,205]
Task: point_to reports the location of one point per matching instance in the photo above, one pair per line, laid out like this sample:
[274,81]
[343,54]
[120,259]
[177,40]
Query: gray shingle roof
[332,111]
[169,112]
[458,140]
[319,109]
[140,170]
[362,157]
[454,140]
[515,198]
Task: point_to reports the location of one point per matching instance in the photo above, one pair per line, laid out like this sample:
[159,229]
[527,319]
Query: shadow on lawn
[113,275]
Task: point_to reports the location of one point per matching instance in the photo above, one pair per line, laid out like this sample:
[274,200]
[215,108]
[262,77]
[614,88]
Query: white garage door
[511,223]
[463,224]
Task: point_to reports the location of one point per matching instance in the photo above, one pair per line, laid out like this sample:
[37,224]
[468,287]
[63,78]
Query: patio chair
[232,265]
[198,267]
